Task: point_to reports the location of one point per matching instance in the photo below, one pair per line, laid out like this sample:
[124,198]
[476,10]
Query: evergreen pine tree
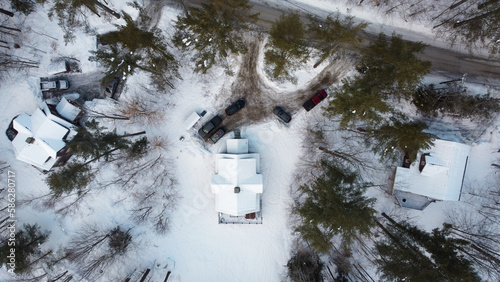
[305,266]
[27,246]
[130,36]
[119,240]
[213,31]
[72,177]
[92,145]
[71,15]
[388,69]
[118,62]
[131,48]
[391,66]
[334,205]
[287,47]
[454,100]
[415,255]
[400,137]
[354,102]
[334,34]
[96,143]
[138,147]
[24,6]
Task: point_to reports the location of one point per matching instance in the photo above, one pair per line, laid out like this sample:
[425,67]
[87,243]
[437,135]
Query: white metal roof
[237,146]
[442,176]
[57,67]
[237,170]
[55,118]
[67,110]
[191,120]
[48,136]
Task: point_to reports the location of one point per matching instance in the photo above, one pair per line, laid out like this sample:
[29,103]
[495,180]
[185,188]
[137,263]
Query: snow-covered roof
[442,176]
[67,110]
[48,138]
[192,120]
[237,146]
[236,185]
[57,67]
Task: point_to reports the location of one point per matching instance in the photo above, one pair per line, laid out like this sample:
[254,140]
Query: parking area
[85,84]
[261,99]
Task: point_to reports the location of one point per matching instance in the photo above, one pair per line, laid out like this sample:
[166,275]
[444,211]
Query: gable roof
[237,170]
[67,110]
[442,176]
[48,138]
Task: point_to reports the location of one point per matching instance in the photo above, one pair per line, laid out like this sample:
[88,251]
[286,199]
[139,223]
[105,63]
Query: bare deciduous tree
[481,229]
[94,249]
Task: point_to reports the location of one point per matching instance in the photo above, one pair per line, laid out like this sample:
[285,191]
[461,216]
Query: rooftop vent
[30,140]
[236,190]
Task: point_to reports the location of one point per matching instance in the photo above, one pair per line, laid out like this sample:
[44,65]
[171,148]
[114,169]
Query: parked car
[112,87]
[318,97]
[280,112]
[217,135]
[238,105]
[52,85]
[209,126]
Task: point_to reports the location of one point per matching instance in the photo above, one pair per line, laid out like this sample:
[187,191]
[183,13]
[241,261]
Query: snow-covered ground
[196,248]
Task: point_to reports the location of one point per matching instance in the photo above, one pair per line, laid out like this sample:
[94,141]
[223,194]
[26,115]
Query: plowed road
[443,60]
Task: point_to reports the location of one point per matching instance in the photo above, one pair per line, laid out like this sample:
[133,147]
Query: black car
[238,105]
[112,87]
[209,126]
[280,112]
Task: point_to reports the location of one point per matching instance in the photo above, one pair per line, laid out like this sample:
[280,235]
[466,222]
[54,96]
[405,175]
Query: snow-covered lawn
[196,248]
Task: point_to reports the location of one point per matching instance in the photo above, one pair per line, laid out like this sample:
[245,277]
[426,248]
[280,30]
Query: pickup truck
[54,85]
[209,126]
[318,97]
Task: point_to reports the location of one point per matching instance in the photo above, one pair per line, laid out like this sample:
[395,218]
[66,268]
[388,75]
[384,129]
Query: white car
[54,85]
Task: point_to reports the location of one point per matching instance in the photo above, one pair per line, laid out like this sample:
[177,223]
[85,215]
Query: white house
[40,136]
[237,184]
[438,176]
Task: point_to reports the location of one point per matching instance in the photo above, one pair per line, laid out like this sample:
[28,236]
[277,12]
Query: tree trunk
[10,28]
[8,13]
[107,9]
[485,15]
[134,134]
[145,275]
[339,155]
[59,277]
[484,4]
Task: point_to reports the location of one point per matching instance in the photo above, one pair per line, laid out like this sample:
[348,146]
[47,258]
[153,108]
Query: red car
[318,97]
[217,135]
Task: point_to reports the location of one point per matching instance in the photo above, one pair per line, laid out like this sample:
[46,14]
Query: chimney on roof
[236,190]
[423,162]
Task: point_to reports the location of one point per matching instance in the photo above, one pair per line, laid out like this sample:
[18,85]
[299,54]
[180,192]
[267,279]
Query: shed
[192,120]
[58,67]
[67,110]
